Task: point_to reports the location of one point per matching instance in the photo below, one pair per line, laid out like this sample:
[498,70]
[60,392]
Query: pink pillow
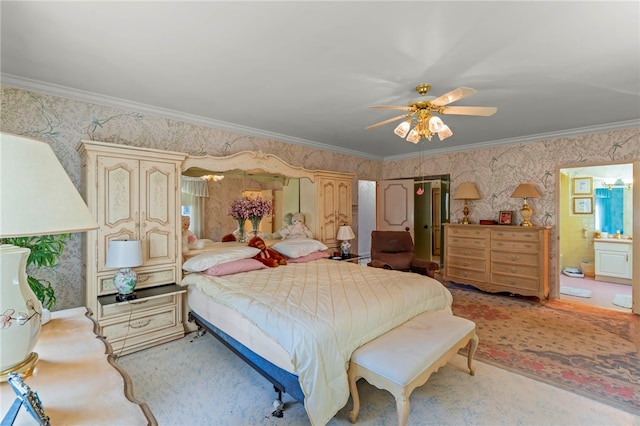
[311,256]
[233,267]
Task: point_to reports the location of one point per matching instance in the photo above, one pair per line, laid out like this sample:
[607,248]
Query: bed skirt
[281,379]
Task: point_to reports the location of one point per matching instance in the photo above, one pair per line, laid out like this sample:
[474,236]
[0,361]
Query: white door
[395,205]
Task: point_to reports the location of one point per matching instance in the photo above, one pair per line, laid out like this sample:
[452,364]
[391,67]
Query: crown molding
[112,102]
[108,101]
[523,139]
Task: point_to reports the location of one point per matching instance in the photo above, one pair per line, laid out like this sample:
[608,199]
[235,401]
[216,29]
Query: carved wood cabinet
[326,205]
[498,258]
[133,194]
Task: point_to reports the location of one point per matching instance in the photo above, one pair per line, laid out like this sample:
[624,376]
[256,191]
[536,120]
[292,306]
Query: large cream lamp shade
[38,198]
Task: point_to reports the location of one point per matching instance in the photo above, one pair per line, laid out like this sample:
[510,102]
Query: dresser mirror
[247,173]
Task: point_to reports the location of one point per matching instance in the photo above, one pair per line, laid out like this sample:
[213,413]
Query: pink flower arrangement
[250,208]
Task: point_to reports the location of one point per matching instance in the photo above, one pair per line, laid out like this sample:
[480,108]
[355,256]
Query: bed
[298,324]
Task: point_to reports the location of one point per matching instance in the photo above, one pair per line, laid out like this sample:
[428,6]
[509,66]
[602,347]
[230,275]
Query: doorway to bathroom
[595,228]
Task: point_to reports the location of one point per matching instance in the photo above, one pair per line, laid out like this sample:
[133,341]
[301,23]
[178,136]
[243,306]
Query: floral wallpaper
[496,170]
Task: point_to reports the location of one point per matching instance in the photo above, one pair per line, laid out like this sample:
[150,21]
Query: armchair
[395,250]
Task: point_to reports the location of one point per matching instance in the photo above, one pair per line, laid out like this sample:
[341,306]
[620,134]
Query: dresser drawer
[515,269]
[530,246]
[467,263]
[463,231]
[145,279]
[454,241]
[468,252]
[515,282]
[142,324]
[135,306]
[514,234]
[465,274]
[518,258]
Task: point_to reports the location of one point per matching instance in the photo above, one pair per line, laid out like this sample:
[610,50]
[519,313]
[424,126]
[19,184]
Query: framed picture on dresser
[505,218]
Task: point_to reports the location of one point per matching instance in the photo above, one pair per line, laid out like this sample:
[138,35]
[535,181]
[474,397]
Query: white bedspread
[320,312]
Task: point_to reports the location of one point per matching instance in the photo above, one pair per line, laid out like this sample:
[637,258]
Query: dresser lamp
[38,198]
[526,190]
[124,254]
[345,234]
[466,191]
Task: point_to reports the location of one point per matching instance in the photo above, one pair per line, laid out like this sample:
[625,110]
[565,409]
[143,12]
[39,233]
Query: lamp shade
[467,191]
[124,254]
[38,198]
[526,190]
[345,233]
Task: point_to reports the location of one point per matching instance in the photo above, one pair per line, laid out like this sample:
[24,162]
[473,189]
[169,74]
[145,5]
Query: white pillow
[217,256]
[298,247]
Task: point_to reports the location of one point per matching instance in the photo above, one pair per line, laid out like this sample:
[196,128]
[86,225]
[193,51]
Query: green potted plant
[45,252]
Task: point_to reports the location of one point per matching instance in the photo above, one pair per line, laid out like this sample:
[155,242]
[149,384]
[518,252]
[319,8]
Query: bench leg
[353,388]
[402,406]
[472,351]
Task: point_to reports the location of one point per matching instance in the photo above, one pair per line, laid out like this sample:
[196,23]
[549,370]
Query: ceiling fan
[422,109]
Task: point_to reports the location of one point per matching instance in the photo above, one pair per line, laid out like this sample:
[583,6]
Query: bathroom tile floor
[602,293]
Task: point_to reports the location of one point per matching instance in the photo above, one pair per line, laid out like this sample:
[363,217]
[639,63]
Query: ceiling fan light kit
[421,110]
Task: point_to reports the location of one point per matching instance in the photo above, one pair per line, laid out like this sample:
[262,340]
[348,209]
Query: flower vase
[255,224]
[241,236]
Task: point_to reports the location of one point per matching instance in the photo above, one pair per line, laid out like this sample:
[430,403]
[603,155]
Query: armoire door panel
[118,205]
[158,216]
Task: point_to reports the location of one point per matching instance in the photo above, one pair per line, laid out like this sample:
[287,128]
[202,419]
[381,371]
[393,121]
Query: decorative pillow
[298,247]
[312,256]
[235,266]
[217,256]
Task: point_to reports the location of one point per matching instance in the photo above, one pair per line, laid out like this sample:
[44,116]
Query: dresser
[498,258]
[134,195]
[326,205]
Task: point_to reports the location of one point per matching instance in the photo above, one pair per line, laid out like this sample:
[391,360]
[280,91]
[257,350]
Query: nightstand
[353,258]
[153,317]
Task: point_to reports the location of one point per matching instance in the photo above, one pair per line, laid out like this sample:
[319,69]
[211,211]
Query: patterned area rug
[588,350]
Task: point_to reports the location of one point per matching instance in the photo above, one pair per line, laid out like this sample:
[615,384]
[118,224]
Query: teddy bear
[189,239]
[297,229]
[268,256]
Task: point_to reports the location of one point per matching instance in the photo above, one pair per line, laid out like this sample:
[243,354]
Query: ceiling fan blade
[401,108]
[469,110]
[452,96]
[382,123]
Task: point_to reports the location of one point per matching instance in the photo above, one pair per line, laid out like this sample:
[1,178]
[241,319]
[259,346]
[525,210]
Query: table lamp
[526,190]
[38,198]
[124,254]
[345,234]
[466,191]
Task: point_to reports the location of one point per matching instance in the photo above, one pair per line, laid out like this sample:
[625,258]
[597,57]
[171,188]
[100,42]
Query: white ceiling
[307,72]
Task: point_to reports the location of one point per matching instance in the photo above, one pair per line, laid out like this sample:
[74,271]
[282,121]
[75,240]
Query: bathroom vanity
[614,260]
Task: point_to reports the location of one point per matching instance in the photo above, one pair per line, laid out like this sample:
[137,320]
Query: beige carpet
[198,381]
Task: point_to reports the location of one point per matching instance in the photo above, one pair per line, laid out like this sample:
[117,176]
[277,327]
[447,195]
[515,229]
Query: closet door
[395,205]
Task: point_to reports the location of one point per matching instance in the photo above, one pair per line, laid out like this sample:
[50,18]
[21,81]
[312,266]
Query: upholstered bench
[404,358]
